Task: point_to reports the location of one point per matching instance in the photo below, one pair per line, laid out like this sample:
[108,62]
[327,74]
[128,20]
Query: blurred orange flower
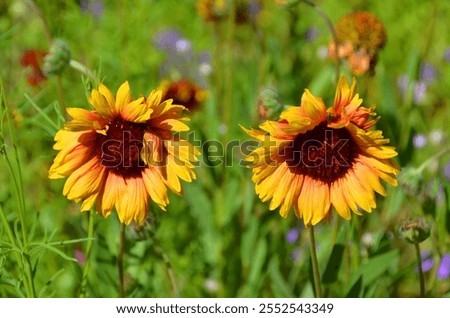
[34,59]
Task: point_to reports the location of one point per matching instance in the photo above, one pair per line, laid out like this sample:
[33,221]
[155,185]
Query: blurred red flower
[34,59]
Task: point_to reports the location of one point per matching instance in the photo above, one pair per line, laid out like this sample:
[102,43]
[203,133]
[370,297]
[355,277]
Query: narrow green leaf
[334,263]
[280,286]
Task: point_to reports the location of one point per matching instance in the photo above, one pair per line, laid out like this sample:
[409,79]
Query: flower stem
[330,26]
[120,260]
[315,264]
[419,265]
[88,254]
[83,69]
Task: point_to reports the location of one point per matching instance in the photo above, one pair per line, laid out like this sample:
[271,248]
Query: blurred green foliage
[218,239]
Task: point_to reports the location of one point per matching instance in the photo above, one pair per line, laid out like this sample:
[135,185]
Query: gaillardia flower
[212,10]
[184,92]
[314,158]
[360,36]
[123,152]
[34,59]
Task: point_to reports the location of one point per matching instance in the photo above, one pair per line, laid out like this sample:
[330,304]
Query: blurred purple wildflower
[419,141]
[447,171]
[420,89]
[204,57]
[428,73]
[296,254]
[440,197]
[167,39]
[444,267]
[183,45]
[447,55]
[427,261]
[402,84]
[181,60]
[94,7]
[254,7]
[311,34]
[80,257]
[292,235]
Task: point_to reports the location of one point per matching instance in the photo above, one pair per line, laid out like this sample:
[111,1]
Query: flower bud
[269,105]
[415,230]
[410,179]
[57,58]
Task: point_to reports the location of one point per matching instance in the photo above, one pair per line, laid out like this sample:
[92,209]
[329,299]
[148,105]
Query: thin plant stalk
[21,241]
[83,69]
[315,264]
[120,260]
[330,26]
[28,281]
[87,265]
[228,68]
[419,266]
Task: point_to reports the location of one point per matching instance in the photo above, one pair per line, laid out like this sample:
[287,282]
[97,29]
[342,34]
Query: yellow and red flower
[123,152]
[360,36]
[314,158]
[34,59]
[184,92]
[212,10]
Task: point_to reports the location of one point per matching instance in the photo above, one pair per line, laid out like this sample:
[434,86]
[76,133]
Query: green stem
[228,69]
[16,173]
[41,17]
[120,260]
[83,69]
[330,26]
[430,160]
[28,281]
[315,264]
[62,104]
[421,275]
[87,265]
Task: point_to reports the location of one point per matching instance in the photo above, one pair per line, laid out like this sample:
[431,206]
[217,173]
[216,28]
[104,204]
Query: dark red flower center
[322,153]
[120,149]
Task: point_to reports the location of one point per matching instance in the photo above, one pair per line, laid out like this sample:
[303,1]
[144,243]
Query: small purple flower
[311,34]
[447,55]
[447,171]
[427,261]
[402,84]
[204,57]
[94,7]
[80,257]
[440,197]
[254,8]
[419,141]
[296,254]
[444,267]
[166,39]
[428,72]
[292,236]
[420,89]
[183,45]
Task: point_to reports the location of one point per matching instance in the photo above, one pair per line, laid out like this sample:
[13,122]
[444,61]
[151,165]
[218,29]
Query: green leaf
[355,289]
[334,263]
[54,250]
[255,277]
[280,286]
[374,268]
